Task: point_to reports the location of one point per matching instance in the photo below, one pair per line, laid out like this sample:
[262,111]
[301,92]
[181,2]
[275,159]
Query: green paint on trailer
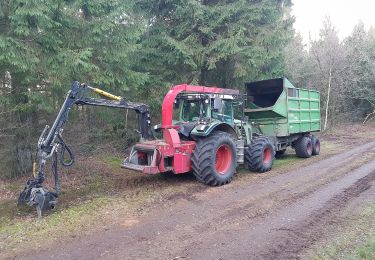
[279,109]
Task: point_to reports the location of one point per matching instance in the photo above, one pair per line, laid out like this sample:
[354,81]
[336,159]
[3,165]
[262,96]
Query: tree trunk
[328,94]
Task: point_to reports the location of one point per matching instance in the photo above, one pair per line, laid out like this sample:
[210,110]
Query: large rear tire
[303,147]
[214,159]
[259,155]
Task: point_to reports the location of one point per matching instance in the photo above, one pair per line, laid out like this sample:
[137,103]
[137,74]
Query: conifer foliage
[215,42]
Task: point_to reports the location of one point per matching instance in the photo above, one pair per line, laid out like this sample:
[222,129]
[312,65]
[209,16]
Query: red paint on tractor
[267,156]
[171,137]
[223,159]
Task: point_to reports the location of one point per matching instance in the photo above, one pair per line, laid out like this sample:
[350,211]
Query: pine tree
[213,42]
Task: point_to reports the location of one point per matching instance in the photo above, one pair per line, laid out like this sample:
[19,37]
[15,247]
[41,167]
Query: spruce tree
[213,42]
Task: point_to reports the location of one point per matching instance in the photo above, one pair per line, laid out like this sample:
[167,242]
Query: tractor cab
[196,108]
[198,114]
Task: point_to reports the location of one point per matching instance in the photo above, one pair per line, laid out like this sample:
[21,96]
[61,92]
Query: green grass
[365,251]
[55,225]
[354,241]
[113,161]
[285,159]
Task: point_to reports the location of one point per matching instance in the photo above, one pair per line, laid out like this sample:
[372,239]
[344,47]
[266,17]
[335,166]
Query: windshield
[193,109]
[225,114]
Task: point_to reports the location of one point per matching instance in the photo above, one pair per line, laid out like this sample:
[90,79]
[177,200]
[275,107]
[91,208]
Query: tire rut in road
[300,237]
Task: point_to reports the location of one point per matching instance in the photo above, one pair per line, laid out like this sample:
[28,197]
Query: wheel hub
[223,159]
[267,155]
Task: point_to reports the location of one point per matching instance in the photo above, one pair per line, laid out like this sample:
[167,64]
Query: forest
[140,48]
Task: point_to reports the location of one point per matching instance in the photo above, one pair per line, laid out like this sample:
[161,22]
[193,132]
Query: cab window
[225,114]
[193,109]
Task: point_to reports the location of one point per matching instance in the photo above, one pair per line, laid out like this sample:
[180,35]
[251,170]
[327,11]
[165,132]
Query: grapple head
[35,195]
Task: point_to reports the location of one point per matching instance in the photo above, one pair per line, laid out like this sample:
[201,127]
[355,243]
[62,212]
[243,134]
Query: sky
[344,14]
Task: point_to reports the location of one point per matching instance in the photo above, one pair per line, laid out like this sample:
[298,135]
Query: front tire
[214,159]
[259,155]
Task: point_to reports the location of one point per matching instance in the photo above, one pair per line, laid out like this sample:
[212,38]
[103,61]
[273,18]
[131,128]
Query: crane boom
[51,142]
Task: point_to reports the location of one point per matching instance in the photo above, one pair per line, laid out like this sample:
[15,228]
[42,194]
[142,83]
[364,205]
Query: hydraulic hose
[65,148]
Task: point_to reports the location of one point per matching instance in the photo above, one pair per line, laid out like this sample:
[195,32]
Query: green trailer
[284,114]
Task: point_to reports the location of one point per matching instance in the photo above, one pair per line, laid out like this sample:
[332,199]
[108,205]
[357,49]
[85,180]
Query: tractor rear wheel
[259,155]
[214,159]
[303,147]
[315,145]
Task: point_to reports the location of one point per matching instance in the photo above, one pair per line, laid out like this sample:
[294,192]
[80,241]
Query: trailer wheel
[303,147]
[214,159]
[315,145]
[259,155]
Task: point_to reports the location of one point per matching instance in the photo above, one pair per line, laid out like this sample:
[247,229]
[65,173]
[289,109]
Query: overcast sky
[344,14]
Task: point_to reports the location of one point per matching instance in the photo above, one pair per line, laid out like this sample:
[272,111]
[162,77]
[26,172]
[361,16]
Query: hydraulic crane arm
[51,142]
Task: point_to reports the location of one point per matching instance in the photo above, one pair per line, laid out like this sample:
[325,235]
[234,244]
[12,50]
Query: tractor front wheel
[259,155]
[214,159]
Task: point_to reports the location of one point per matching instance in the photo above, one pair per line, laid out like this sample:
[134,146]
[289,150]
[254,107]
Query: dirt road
[275,218]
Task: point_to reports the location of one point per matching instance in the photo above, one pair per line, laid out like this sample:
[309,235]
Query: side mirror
[218,104]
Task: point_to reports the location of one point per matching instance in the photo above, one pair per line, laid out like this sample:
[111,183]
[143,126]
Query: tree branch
[368,117]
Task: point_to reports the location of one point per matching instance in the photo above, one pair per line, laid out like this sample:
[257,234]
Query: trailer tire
[214,159]
[303,147]
[259,155]
[315,145]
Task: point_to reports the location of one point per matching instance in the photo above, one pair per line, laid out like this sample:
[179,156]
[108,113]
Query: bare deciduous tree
[327,53]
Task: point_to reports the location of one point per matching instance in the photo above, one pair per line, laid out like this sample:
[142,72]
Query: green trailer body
[279,109]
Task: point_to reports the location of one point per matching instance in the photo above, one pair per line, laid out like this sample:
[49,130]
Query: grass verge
[354,240]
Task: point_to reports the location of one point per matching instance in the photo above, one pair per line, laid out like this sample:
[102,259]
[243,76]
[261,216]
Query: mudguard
[202,130]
